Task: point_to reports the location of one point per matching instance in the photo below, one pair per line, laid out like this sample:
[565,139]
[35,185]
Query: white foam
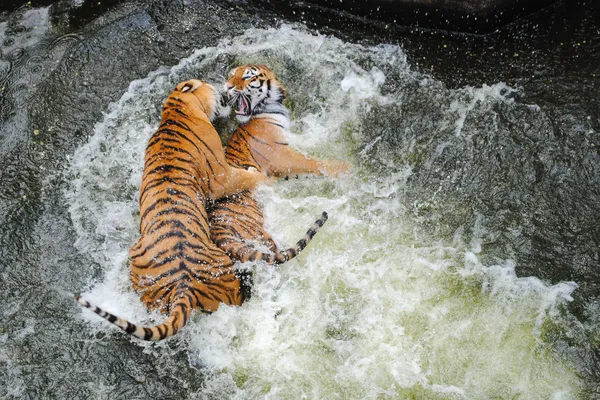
[371,308]
[364,87]
[469,98]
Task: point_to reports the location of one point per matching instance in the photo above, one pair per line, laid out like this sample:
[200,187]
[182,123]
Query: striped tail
[282,256]
[180,312]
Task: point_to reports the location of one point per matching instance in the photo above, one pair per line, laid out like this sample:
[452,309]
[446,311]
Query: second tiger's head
[202,93]
[250,88]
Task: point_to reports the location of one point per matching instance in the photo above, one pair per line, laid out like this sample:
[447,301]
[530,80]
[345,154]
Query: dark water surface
[500,135]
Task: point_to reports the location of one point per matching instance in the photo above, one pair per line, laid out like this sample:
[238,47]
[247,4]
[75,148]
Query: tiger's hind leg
[239,250]
[243,251]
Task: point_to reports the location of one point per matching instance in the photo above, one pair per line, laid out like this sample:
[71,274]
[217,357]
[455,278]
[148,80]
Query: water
[391,299]
[445,270]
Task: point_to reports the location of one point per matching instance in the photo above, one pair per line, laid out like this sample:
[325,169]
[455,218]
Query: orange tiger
[260,142]
[175,266]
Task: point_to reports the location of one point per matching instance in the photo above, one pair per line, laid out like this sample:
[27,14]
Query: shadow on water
[533,181]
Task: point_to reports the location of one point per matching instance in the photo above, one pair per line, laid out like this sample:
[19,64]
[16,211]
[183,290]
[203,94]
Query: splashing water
[375,307]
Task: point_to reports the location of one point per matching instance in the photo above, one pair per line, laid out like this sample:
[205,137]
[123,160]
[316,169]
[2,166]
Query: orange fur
[261,143]
[175,266]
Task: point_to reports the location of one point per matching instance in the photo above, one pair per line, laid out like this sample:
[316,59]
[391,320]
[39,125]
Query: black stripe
[168,211]
[253,137]
[184,308]
[158,224]
[158,240]
[167,168]
[173,271]
[199,294]
[253,151]
[156,262]
[162,334]
[168,288]
[156,155]
[178,149]
[191,217]
[207,148]
[179,124]
[182,136]
[152,183]
[147,333]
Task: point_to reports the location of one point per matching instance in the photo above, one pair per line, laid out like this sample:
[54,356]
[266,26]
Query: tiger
[237,221]
[175,267]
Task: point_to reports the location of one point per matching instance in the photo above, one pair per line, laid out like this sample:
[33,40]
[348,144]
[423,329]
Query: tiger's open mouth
[243,106]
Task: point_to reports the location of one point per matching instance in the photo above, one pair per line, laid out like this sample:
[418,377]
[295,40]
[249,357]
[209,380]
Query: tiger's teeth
[243,107]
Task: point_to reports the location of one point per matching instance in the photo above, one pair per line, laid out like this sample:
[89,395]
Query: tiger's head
[203,94]
[252,89]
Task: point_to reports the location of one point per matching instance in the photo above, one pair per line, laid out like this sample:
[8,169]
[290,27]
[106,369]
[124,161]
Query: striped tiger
[175,266]
[237,222]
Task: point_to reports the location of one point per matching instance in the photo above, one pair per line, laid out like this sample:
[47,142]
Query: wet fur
[260,142]
[175,266]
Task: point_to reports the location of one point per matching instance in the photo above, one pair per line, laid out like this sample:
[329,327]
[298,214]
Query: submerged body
[237,222]
[175,266]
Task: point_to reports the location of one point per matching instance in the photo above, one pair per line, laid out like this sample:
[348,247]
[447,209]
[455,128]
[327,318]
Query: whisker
[234,98]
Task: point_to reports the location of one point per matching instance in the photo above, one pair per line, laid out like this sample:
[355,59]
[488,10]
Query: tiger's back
[174,256]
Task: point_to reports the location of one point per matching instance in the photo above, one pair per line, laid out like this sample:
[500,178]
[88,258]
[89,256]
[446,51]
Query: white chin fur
[223,111]
[243,119]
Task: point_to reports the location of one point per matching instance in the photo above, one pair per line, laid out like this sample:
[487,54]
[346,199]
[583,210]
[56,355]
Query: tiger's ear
[263,66]
[186,87]
[189,86]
